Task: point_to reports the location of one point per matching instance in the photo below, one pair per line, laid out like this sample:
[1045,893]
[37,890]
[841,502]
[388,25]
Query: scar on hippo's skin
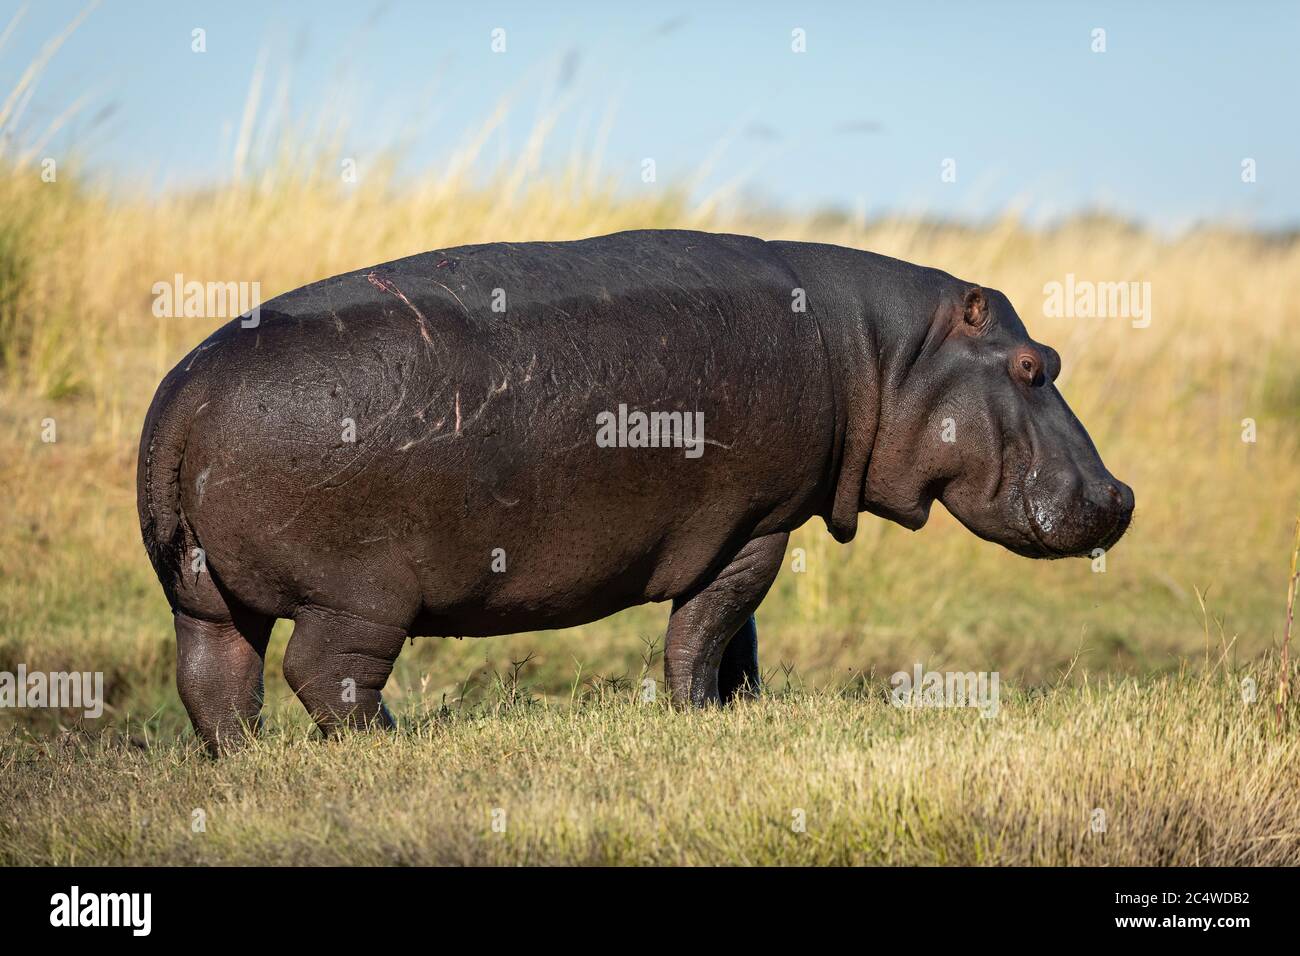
[198,353]
[391,289]
[452,294]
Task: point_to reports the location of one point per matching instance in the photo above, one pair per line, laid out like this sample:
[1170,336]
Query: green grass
[1185,772]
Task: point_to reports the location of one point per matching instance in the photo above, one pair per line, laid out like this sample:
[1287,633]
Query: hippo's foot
[337,664]
[711,651]
[219,676]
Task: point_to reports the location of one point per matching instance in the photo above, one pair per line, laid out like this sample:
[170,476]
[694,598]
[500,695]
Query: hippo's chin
[913,517]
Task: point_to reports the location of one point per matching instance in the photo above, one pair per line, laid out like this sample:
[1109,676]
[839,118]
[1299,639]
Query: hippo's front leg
[706,624]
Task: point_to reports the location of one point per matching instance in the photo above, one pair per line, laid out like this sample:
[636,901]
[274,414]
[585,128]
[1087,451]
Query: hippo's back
[625,271]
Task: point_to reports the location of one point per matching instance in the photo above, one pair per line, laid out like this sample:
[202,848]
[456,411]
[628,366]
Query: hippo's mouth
[1040,523]
[1038,535]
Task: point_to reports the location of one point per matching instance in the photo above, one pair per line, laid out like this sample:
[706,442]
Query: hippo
[510,437]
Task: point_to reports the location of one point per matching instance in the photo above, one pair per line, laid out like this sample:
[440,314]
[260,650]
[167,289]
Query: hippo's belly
[476,505]
[467,564]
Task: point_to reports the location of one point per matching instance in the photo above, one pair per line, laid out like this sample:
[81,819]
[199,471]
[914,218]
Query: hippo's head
[972,417]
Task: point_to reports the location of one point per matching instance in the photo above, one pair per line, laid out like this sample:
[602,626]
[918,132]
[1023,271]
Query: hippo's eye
[1026,367]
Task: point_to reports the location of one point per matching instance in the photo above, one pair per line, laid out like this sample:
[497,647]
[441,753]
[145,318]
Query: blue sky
[1155,128]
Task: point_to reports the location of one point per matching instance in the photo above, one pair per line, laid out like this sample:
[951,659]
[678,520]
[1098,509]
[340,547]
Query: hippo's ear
[975,309]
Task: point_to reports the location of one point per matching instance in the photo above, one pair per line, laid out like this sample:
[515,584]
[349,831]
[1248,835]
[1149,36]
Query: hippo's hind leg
[337,664]
[711,651]
[219,668]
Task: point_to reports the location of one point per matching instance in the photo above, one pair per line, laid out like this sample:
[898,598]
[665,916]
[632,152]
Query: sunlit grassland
[1174,771]
[1123,690]
[1164,404]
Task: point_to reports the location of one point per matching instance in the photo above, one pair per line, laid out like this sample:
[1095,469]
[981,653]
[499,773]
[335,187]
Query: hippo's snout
[1073,515]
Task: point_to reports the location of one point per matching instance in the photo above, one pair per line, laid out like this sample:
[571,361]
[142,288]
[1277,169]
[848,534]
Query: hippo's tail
[157,480]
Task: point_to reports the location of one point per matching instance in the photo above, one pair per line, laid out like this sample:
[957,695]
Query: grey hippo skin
[411,449]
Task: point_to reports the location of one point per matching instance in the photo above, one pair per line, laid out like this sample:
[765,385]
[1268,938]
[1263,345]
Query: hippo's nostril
[1111,497]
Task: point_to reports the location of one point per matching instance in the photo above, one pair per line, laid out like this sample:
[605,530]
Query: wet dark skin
[410,450]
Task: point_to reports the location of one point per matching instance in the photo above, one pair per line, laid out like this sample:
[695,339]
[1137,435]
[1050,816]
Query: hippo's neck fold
[873,314]
[851,353]
[853,357]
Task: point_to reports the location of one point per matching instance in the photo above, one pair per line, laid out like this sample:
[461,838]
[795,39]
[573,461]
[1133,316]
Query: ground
[1176,770]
